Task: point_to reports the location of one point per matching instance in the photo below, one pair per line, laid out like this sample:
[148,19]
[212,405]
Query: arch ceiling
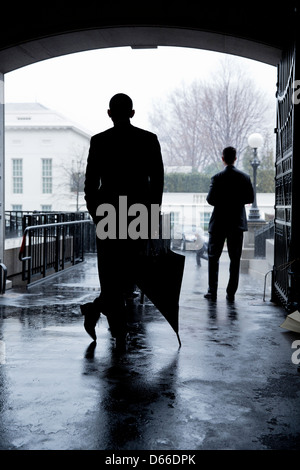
[30,34]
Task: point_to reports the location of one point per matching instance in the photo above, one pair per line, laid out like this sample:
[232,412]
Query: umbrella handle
[178,337]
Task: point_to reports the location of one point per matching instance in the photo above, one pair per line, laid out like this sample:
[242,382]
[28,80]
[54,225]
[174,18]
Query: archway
[137,37]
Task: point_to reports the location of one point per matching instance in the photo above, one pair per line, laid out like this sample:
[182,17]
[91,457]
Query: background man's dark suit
[123,161]
[229,191]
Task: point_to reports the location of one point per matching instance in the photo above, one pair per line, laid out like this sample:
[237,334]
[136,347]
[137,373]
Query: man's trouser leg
[234,245]
[215,248]
[111,277]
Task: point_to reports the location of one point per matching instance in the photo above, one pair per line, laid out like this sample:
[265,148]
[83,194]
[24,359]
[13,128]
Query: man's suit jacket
[123,161]
[229,191]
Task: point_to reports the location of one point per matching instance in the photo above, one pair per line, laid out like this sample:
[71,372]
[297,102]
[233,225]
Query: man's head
[229,155]
[120,107]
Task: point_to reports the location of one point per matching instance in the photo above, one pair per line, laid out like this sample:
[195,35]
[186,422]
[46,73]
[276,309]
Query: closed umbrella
[159,277]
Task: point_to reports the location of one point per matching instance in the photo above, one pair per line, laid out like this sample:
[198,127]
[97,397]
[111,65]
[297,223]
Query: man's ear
[132,113]
[108,112]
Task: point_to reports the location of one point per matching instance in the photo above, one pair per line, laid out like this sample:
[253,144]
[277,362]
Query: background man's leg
[215,248]
[234,245]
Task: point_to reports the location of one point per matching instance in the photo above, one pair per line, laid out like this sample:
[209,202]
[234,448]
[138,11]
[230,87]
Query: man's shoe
[230,298]
[210,296]
[91,316]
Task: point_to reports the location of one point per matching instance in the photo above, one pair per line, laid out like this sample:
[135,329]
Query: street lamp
[254,141]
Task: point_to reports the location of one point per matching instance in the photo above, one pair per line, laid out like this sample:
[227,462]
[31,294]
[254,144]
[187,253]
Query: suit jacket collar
[120,124]
[229,168]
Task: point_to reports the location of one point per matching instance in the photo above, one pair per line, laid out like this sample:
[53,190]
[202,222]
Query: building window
[175,217]
[16,207]
[204,220]
[17,175]
[46,208]
[47,175]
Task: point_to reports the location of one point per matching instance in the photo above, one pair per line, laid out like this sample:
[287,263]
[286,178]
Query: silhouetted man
[123,161]
[229,191]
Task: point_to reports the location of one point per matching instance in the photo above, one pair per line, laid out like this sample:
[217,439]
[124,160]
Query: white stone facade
[192,208]
[41,148]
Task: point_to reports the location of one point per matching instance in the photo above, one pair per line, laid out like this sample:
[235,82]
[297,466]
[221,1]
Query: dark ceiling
[32,32]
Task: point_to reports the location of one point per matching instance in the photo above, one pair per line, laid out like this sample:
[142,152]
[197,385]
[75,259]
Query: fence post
[45,246]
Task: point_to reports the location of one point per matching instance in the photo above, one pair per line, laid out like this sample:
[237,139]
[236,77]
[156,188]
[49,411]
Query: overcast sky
[80,85]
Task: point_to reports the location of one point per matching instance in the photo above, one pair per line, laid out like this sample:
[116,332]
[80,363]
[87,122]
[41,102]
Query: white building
[42,150]
[192,209]
[42,147]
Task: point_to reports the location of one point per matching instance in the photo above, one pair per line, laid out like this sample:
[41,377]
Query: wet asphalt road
[232,384]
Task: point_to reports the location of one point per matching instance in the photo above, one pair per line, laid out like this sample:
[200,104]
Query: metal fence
[41,218]
[286,272]
[14,223]
[17,221]
[3,277]
[53,241]
[50,248]
[260,237]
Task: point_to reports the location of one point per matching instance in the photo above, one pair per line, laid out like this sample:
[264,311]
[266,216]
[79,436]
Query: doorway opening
[54,106]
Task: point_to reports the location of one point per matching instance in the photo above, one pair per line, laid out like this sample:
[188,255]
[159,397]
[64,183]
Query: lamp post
[254,141]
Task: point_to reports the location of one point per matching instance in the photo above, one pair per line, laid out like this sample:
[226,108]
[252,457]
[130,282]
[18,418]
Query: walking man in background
[229,191]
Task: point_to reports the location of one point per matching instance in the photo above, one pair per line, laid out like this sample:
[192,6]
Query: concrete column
[248,245]
[2,189]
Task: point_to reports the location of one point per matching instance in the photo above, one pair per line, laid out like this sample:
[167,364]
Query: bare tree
[197,121]
[74,172]
[178,121]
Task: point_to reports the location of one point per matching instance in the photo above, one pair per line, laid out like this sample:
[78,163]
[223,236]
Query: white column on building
[2,191]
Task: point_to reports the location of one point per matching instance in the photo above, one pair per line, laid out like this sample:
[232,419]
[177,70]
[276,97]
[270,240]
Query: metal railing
[3,277]
[17,221]
[50,248]
[260,237]
[14,223]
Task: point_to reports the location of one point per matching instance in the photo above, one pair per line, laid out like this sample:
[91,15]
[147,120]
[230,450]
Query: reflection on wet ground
[232,384]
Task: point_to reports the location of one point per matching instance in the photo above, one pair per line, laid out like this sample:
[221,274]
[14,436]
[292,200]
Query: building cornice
[14,127]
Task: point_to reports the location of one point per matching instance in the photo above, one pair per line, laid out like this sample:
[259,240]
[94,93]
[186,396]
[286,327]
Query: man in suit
[229,191]
[123,161]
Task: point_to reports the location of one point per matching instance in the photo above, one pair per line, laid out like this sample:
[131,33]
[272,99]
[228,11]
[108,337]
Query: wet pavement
[232,384]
